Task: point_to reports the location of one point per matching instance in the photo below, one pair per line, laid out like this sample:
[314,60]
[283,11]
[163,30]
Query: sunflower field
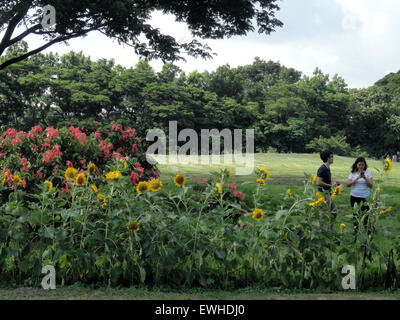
[85,201]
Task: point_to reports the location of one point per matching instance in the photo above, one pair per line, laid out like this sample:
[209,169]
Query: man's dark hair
[354,166]
[325,155]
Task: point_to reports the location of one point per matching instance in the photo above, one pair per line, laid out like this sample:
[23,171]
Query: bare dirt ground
[135,294]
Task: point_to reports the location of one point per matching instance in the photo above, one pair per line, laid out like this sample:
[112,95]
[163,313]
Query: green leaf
[281,213]
[220,253]
[48,232]
[3,235]
[61,234]
[142,274]
[362,237]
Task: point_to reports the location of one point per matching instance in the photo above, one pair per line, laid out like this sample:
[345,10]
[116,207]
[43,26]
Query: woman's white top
[360,188]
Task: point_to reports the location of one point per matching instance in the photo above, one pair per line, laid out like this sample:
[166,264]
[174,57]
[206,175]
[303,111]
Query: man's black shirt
[325,174]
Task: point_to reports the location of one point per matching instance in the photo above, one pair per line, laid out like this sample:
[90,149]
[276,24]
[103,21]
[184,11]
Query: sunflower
[258,214]
[317,202]
[261,182]
[337,191]
[142,187]
[92,168]
[289,193]
[219,189]
[286,238]
[226,172]
[313,179]
[387,165]
[80,179]
[50,184]
[4,177]
[102,198]
[179,180]
[16,179]
[94,188]
[113,175]
[265,171]
[386,210]
[133,226]
[155,185]
[342,227]
[70,173]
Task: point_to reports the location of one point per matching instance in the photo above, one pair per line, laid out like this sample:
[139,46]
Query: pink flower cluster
[236,194]
[203,180]
[128,133]
[78,134]
[135,176]
[50,154]
[24,165]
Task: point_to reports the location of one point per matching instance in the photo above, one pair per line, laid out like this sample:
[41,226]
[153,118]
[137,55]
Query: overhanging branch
[45,46]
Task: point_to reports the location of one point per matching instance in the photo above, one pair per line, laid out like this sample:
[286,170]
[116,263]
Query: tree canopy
[128,22]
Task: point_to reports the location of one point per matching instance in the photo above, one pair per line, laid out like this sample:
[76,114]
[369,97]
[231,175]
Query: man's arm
[320,183]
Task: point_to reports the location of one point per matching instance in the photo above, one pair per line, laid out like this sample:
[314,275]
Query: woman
[360,182]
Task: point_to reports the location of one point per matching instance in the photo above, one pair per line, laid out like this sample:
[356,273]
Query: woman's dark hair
[325,155]
[359,159]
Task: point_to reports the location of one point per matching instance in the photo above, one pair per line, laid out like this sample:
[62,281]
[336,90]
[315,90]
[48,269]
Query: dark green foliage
[288,113]
[128,22]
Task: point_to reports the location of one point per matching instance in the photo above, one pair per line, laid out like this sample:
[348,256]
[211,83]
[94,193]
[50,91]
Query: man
[324,181]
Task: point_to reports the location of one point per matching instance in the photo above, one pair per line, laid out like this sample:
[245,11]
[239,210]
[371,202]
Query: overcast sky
[357,39]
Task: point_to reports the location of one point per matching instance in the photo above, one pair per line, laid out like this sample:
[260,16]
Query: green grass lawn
[287,171]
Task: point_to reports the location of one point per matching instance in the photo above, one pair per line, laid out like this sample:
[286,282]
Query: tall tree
[128,22]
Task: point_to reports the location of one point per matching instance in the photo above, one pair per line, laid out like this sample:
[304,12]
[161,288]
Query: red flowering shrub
[45,153]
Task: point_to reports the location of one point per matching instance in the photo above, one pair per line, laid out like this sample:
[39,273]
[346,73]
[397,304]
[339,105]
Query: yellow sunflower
[80,179]
[337,191]
[387,165]
[258,214]
[50,184]
[94,188]
[227,173]
[113,175]
[386,210]
[313,179]
[4,177]
[287,238]
[317,202]
[70,173]
[142,187]
[16,179]
[92,168]
[265,171]
[219,189]
[102,199]
[133,226]
[179,180]
[155,185]
[261,182]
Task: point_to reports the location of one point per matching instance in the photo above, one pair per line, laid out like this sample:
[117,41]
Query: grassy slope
[287,171]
